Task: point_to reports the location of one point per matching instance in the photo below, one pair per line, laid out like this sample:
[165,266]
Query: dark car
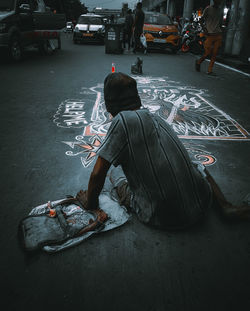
[89,28]
[24,23]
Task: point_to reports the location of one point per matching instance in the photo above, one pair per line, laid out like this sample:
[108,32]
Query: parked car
[89,28]
[23,24]
[160,32]
[69,27]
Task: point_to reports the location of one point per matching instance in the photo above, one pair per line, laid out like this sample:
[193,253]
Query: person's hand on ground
[82,198]
[101,215]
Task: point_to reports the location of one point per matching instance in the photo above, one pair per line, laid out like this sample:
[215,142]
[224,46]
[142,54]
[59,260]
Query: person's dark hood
[120,93]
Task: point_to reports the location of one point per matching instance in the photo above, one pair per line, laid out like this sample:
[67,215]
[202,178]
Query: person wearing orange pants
[212,19]
[211,46]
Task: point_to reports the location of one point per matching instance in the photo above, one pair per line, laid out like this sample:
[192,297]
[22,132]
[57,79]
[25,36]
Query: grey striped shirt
[213,19]
[167,189]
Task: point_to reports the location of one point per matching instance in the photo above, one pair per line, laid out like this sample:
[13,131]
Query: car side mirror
[24,8]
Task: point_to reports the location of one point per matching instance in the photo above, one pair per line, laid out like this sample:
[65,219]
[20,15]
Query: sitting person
[156,179]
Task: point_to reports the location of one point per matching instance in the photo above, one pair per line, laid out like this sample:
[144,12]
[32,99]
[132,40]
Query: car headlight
[3,26]
[76,29]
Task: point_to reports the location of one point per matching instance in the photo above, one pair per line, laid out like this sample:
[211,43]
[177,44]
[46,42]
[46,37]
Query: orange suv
[160,32]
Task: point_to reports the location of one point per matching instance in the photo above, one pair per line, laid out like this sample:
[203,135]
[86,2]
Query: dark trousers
[137,35]
[127,39]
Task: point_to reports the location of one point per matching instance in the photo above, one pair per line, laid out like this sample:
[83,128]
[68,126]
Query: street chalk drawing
[71,113]
[185,108]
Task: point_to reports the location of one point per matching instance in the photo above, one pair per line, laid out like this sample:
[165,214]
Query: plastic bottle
[52,212]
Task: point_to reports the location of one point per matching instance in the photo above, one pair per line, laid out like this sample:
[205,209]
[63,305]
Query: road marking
[231,68]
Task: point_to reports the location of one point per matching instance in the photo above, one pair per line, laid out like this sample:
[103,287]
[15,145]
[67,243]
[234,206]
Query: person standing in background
[212,19]
[138,26]
[128,30]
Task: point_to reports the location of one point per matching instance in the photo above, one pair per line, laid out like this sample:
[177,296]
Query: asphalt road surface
[47,153]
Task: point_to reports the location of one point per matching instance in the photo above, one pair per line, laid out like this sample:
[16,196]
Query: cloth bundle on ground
[52,234]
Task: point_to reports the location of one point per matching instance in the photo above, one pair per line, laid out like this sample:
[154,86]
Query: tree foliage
[72,8]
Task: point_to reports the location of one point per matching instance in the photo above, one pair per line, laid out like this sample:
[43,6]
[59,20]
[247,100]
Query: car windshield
[157,19]
[90,20]
[7,5]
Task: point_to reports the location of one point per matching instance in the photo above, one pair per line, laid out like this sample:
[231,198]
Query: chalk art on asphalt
[185,108]
[71,113]
[198,153]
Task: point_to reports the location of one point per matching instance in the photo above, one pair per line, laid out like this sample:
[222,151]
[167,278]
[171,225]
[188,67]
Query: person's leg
[207,51]
[228,209]
[121,187]
[124,39]
[129,39]
[216,45]
[137,40]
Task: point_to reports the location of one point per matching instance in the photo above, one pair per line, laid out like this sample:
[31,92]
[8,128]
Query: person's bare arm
[89,199]
[96,183]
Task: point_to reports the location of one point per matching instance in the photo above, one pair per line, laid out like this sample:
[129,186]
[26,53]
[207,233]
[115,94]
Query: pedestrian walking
[212,19]
[138,26]
[128,29]
[153,175]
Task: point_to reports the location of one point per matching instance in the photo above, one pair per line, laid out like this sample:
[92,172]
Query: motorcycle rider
[212,19]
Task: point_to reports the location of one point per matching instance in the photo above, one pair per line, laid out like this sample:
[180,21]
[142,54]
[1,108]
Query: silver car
[89,28]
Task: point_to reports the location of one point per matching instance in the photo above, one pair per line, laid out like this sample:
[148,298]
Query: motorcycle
[193,38]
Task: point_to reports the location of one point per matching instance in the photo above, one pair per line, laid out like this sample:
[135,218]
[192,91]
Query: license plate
[87,35]
[160,40]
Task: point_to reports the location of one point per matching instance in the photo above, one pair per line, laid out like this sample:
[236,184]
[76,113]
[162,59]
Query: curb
[235,63]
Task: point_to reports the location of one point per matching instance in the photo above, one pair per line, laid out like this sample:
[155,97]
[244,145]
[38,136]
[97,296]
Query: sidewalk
[234,62]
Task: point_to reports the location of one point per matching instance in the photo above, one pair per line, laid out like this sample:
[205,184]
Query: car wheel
[15,49]
[45,47]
